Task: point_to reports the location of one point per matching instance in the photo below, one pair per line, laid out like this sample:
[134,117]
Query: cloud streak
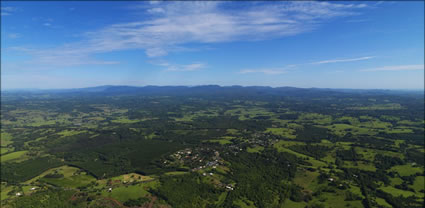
[274,71]
[344,60]
[396,68]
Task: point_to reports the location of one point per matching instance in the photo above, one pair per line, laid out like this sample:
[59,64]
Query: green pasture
[14,156]
[407,169]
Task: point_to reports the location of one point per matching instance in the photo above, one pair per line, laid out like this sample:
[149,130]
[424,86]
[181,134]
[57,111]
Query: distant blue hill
[211,90]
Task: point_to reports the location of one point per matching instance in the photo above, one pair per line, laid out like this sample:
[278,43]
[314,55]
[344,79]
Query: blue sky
[300,44]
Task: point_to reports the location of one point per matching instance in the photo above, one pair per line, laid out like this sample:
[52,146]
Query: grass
[396,181]
[285,132]
[244,203]
[280,146]
[67,171]
[221,198]
[342,129]
[4,191]
[315,118]
[399,131]
[70,182]
[125,121]
[336,200]
[176,173]
[382,202]
[306,180]
[5,139]
[255,149]
[66,133]
[356,190]
[329,158]
[4,150]
[247,113]
[13,156]
[389,106]
[130,177]
[151,136]
[351,120]
[71,178]
[419,183]
[233,131]
[124,193]
[360,165]
[407,170]
[186,118]
[397,192]
[325,141]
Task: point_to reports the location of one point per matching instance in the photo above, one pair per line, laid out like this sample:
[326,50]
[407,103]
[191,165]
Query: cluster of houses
[196,158]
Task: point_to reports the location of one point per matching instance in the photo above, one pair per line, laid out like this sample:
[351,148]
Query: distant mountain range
[207,90]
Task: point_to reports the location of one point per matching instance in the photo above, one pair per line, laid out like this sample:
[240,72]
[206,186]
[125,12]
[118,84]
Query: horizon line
[141,86]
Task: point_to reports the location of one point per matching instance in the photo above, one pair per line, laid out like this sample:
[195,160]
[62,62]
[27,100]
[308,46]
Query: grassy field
[132,177]
[124,193]
[306,179]
[315,118]
[176,173]
[285,132]
[5,139]
[66,133]
[336,200]
[76,181]
[125,120]
[280,146]
[419,184]
[4,150]
[383,203]
[223,140]
[244,203]
[407,170]
[13,156]
[360,165]
[72,177]
[397,192]
[255,149]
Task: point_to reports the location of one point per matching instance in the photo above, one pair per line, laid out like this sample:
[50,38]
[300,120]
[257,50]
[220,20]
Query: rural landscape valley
[212,104]
[211,146]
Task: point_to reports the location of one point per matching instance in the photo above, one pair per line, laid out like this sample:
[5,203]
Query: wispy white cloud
[13,35]
[397,68]
[180,67]
[188,67]
[51,59]
[344,60]
[172,25]
[270,71]
[6,11]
